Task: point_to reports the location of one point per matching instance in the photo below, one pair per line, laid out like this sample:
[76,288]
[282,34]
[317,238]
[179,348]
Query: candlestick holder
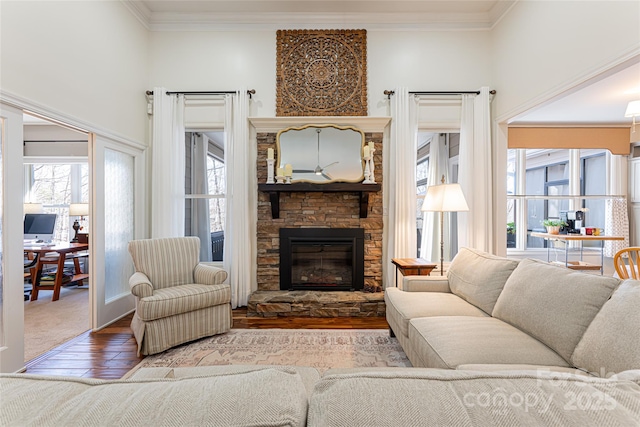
[372,166]
[367,170]
[288,179]
[270,164]
[279,179]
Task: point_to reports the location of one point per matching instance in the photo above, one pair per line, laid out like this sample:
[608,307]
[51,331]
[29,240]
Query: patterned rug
[318,348]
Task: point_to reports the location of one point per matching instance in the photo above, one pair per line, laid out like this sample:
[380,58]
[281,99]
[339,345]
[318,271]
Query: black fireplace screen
[321,259]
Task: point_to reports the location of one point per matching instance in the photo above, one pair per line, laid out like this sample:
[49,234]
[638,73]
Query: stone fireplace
[330,210]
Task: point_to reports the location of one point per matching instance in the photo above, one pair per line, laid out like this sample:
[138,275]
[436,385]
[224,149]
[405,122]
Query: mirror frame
[317,126]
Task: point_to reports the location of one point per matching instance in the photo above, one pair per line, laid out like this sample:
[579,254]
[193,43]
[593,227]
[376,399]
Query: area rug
[318,348]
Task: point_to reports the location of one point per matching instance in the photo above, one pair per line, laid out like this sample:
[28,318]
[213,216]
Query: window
[422,182]
[56,186]
[205,188]
[545,190]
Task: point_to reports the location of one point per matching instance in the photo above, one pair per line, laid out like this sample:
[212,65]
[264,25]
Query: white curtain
[167,165]
[616,219]
[475,227]
[438,167]
[200,223]
[241,197]
[401,180]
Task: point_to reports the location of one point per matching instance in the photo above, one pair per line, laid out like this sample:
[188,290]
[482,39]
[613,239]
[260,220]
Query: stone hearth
[316,304]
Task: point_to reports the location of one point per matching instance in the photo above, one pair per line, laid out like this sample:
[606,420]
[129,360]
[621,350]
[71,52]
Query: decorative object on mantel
[322,153]
[369,164]
[288,172]
[280,176]
[270,163]
[321,73]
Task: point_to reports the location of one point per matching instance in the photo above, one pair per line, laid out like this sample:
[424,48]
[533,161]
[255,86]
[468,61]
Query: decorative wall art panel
[321,73]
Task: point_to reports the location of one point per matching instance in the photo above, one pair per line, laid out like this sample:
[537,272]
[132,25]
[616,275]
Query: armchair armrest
[209,275]
[426,284]
[140,285]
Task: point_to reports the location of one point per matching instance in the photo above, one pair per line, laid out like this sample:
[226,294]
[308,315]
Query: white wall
[542,47]
[87,60]
[419,60]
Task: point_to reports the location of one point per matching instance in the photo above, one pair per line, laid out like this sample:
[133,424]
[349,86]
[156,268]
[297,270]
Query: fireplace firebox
[325,259]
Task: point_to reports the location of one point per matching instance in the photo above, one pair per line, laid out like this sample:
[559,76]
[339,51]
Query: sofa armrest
[425,284]
[209,275]
[140,285]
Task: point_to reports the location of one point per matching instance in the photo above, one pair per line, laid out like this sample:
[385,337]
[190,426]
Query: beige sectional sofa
[297,396]
[493,313]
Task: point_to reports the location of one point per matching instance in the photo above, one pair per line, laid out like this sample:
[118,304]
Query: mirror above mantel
[321,153]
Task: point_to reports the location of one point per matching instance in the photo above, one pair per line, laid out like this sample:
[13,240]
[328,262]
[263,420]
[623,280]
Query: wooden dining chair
[626,262]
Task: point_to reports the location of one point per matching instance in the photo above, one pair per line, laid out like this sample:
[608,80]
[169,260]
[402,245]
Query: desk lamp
[78,210]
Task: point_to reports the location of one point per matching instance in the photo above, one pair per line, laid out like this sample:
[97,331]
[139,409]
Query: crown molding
[265,21]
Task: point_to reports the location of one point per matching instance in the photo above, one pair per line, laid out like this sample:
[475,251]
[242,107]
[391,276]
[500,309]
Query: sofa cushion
[478,277]
[611,343]
[446,342]
[181,299]
[403,306]
[268,397]
[553,304]
[429,397]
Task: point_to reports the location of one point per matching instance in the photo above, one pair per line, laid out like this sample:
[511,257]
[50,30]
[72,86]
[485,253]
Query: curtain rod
[474,92]
[219,92]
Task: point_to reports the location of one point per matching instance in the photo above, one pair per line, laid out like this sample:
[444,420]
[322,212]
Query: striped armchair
[177,299]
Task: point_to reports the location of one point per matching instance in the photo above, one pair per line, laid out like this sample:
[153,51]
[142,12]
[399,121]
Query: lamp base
[76,227]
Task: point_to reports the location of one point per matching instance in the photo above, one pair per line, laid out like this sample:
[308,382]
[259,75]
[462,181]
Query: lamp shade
[445,198]
[633,109]
[79,209]
[31,208]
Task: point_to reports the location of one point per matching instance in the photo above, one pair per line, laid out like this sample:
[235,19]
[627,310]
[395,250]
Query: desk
[412,267]
[566,238]
[62,249]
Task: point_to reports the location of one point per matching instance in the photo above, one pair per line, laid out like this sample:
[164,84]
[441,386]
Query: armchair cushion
[166,262]
[181,299]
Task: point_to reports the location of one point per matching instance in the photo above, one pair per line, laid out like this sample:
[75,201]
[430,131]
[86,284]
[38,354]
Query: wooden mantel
[274,191]
[275,124]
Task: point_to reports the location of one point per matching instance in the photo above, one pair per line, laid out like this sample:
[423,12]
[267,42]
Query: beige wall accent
[614,139]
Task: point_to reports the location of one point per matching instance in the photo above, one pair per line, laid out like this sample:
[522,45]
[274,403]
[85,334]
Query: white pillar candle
[371,146]
[280,172]
[270,153]
[288,170]
[365,151]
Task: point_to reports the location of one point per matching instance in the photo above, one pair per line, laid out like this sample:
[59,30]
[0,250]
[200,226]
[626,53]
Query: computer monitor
[39,226]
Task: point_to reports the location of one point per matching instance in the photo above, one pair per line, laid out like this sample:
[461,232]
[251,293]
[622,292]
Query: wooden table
[62,249]
[412,267]
[566,238]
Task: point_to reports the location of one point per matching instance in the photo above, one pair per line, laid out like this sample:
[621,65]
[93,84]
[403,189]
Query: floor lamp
[444,198]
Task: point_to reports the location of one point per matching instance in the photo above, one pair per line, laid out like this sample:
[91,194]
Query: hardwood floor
[111,352]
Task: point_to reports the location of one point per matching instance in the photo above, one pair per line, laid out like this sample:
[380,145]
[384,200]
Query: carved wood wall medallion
[321,73]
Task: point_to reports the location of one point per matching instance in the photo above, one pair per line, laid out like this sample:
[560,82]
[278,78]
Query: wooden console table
[567,238]
[412,267]
[62,250]
[274,191]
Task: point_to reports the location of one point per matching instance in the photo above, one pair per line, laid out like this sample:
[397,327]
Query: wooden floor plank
[112,352]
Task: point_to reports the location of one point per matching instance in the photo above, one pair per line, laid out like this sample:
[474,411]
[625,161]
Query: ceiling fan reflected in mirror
[319,170]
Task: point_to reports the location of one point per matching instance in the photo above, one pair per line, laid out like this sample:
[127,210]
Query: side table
[412,267]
